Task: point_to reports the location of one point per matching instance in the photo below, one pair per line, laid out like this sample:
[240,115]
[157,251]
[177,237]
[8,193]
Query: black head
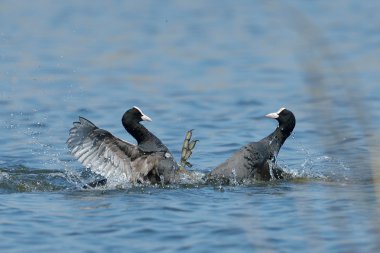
[285,118]
[135,115]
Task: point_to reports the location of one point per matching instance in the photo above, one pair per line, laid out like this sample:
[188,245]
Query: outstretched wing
[103,153]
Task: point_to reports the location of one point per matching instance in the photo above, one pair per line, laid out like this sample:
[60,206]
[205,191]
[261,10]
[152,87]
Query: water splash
[23,179]
[317,166]
[20,178]
[272,164]
[233,180]
[192,178]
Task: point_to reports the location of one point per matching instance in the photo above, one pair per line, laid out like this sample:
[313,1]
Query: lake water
[213,66]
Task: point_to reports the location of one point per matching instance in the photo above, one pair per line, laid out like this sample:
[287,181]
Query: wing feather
[104,154]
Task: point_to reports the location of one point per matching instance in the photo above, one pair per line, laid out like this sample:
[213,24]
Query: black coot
[256,160]
[149,161]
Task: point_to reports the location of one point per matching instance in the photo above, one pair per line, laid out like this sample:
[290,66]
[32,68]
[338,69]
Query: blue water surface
[214,66]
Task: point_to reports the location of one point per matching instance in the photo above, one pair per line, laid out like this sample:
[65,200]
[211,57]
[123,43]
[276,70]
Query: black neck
[276,139]
[138,131]
[146,141]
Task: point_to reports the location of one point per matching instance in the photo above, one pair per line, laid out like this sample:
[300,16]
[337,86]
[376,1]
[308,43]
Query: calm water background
[217,67]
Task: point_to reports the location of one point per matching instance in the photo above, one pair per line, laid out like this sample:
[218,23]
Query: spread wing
[105,154]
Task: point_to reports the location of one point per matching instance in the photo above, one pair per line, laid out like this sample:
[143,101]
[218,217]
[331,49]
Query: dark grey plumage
[256,159]
[147,162]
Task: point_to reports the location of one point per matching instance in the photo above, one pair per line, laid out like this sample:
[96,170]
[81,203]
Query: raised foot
[187,147]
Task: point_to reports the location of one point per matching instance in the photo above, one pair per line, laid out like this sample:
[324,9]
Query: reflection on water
[214,66]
